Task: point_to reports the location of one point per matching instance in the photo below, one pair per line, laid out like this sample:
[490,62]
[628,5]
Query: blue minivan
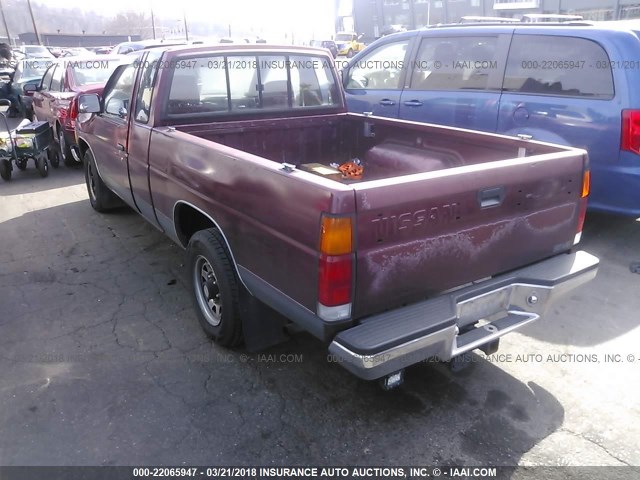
[575,85]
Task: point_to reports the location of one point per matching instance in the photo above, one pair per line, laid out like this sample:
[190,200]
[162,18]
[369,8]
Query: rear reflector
[336,235]
[630,140]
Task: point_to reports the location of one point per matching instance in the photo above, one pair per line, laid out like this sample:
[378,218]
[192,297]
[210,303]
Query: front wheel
[102,199]
[215,288]
[5,170]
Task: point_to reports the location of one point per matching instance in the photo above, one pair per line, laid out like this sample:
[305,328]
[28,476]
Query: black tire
[207,254]
[53,154]
[5,170]
[21,163]
[64,149]
[102,199]
[42,164]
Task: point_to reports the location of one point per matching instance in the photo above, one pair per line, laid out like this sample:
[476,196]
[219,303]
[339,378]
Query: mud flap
[262,326]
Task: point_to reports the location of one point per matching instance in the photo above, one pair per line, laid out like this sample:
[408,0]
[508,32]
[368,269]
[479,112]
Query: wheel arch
[189,219]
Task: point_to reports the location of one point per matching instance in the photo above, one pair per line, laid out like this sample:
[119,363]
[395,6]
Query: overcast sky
[302,16]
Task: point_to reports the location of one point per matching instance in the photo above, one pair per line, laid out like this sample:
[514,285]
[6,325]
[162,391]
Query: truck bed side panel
[270,218]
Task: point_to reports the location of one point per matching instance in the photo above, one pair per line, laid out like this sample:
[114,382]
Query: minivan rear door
[455,78]
[559,88]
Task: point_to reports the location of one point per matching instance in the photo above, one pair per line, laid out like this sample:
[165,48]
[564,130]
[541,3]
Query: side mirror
[5,105]
[89,103]
[29,89]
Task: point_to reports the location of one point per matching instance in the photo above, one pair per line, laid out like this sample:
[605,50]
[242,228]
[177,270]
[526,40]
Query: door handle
[413,103]
[121,147]
[385,102]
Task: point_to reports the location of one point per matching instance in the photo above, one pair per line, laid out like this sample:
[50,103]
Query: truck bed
[385,150]
[436,208]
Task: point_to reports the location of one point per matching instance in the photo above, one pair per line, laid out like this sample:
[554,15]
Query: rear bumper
[447,326]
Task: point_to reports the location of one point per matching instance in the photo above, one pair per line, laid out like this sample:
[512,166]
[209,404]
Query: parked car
[28,72]
[56,97]
[35,51]
[349,43]
[76,52]
[567,84]
[233,158]
[328,44]
[128,47]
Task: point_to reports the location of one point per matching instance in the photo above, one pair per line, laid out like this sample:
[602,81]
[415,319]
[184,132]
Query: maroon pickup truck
[392,241]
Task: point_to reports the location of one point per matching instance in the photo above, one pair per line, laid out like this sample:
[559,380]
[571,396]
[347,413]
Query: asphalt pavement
[103,363]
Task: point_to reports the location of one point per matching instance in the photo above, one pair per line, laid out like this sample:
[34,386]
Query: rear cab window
[237,84]
[558,65]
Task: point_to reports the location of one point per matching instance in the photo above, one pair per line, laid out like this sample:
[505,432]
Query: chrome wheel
[207,291]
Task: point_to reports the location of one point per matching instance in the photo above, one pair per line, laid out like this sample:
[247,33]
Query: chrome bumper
[463,320]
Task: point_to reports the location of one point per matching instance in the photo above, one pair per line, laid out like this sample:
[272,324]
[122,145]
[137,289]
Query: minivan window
[455,63]
[379,70]
[556,65]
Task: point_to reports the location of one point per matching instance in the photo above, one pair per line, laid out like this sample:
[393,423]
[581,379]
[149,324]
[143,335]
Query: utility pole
[4,21]
[186,29]
[153,24]
[33,20]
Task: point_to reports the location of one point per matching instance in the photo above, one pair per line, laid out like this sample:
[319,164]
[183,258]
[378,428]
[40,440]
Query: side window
[455,63]
[46,79]
[116,99]
[145,89]
[554,65]
[56,81]
[381,69]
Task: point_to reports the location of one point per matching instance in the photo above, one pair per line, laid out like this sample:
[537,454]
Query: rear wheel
[21,163]
[65,150]
[42,164]
[5,170]
[54,156]
[214,287]
[102,199]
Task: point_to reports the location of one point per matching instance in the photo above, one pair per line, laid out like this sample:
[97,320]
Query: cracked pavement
[103,363]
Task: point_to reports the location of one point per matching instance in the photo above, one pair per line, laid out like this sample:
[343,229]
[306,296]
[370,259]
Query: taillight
[630,140]
[586,187]
[73,110]
[335,268]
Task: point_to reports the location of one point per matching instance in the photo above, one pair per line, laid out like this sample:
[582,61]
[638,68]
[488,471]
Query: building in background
[375,18]
[75,40]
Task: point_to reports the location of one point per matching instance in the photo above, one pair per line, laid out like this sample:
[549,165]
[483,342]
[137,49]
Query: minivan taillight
[582,214]
[630,140]
[335,268]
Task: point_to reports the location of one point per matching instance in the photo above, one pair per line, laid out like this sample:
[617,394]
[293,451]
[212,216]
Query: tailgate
[422,234]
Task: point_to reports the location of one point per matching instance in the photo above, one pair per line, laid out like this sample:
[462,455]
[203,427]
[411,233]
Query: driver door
[373,83]
[111,132]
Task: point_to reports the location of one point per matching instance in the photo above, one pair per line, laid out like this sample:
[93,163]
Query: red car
[56,98]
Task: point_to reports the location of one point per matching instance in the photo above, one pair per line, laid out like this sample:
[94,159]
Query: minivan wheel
[215,288]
